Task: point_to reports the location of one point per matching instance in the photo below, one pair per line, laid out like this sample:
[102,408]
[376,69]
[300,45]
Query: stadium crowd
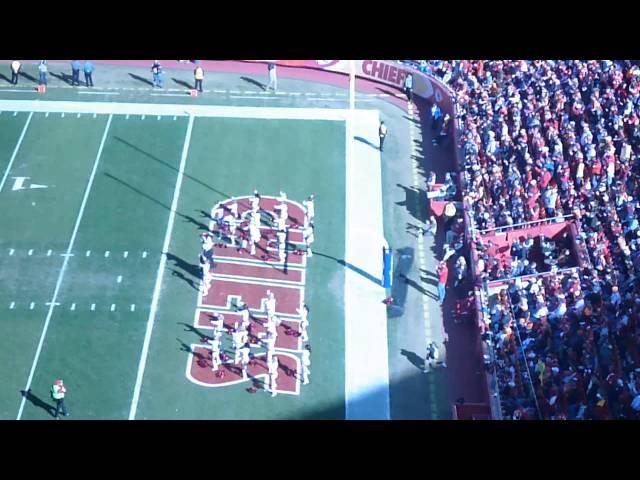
[543,139]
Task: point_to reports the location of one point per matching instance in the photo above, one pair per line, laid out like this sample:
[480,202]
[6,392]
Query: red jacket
[443,274]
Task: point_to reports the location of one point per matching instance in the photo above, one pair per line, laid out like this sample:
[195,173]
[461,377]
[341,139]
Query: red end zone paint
[288,299]
[238,274]
[288,331]
[200,371]
[258,272]
[264,253]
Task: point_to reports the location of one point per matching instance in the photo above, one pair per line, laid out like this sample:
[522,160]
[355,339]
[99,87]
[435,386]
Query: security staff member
[198,74]
[58,391]
[382,131]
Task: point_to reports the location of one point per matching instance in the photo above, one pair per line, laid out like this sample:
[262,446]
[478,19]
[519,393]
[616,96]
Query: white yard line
[117,108]
[15,151]
[64,265]
[97,93]
[161,267]
[366,344]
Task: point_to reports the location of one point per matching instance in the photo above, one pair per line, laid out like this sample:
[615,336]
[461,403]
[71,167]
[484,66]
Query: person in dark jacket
[75,73]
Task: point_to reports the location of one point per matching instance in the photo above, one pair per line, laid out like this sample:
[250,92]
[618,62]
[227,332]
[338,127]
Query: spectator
[541,139]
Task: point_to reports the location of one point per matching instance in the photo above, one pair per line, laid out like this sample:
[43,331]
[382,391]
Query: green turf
[232,157]
[127,210]
[97,351]
[58,152]
[10,128]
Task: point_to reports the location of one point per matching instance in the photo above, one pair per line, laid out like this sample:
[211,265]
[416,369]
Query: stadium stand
[550,177]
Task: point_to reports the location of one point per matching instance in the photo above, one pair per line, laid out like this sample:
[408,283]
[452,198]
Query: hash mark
[106,254]
[133,307]
[31,305]
[11,250]
[48,253]
[113,307]
[93,307]
[125,254]
[73,306]
[88,253]
[119,279]
[13,304]
[144,254]
[30,252]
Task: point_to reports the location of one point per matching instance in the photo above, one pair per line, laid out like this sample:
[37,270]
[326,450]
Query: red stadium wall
[387,72]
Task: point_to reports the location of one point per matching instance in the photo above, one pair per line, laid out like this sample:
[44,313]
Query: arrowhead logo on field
[18,184]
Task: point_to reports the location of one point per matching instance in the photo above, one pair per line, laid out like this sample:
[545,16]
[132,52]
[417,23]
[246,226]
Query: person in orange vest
[58,391]
[198,74]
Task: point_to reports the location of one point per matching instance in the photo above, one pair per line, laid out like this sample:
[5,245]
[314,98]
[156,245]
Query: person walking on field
[58,391]
[273,79]
[15,70]
[382,131]
[198,75]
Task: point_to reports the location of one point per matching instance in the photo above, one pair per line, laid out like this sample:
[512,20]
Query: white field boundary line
[366,342]
[15,151]
[64,265]
[116,108]
[160,274]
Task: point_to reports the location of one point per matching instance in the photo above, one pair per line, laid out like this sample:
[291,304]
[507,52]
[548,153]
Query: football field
[101,208]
